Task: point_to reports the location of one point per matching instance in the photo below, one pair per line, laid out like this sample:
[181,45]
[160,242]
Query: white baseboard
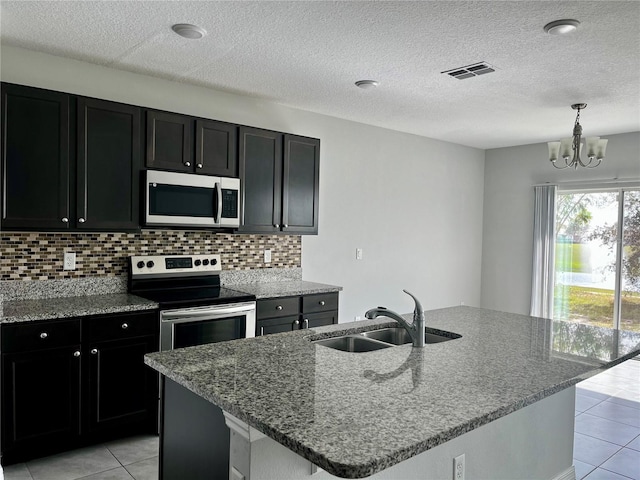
[568,474]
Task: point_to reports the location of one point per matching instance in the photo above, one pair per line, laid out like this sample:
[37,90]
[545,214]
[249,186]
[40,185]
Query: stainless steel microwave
[189,200]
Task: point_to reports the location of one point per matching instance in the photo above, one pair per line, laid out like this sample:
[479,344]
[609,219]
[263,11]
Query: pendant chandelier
[570,149]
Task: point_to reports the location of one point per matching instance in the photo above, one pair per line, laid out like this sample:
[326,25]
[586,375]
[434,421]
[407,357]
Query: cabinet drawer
[40,335]
[278,307]
[320,302]
[126,325]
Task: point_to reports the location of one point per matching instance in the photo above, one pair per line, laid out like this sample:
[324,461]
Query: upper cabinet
[35,158]
[109,152]
[279,175]
[57,177]
[300,183]
[73,163]
[171,139]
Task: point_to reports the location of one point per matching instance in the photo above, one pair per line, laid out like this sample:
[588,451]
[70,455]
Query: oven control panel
[171,265]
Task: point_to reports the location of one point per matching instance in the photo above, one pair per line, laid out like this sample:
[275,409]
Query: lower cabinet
[285,314]
[64,387]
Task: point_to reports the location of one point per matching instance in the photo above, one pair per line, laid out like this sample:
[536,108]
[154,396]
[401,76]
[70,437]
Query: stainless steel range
[194,308]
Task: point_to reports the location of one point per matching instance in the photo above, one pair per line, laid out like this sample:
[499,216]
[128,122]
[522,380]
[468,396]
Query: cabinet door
[277,325]
[319,319]
[261,180]
[216,148]
[301,174]
[40,402]
[122,390]
[169,141]
[35,158]
[109,153]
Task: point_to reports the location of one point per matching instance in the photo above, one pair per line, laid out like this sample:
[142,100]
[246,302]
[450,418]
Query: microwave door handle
[217,217]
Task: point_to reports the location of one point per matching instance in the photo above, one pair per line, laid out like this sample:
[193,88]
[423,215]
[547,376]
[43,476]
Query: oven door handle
[211,312]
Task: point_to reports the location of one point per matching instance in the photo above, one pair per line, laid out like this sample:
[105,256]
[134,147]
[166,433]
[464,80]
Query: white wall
[510,174]
[413,204]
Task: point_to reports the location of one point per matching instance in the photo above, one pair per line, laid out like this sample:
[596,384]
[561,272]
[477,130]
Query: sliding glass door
[597,267]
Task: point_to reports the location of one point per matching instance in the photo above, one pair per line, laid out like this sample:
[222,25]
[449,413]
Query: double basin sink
[383,338]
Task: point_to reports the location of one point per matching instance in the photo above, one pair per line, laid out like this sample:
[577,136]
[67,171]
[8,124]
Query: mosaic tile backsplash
[39,256]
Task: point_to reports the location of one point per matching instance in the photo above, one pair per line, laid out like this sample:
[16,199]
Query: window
[597,257]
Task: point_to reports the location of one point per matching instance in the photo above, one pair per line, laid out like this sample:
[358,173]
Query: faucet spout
[415,329]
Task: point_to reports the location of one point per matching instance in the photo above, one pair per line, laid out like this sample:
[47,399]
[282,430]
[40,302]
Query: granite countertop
[283,289]
[354,414]
[14,311]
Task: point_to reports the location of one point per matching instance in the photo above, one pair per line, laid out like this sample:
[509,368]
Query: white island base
[535,442]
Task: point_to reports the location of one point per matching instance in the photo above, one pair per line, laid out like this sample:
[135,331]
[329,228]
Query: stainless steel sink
[399,336]
[383,338]
[352,343]
[395,336]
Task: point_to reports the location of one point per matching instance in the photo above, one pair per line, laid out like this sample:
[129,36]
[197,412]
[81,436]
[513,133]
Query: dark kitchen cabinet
[65,168]
[169,141]
[216,152]
[121,391]
[68,383]
[170,145]
[300,183]
[35,158]
[280,179]
[285,314]
[41,365]
[109,152]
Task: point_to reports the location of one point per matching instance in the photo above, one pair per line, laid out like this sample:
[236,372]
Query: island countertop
[355,414]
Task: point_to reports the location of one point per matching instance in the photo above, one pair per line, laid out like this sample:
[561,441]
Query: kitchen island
[502,394]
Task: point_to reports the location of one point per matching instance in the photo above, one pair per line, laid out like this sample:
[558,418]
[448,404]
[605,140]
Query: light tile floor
[606,440]
[126,459]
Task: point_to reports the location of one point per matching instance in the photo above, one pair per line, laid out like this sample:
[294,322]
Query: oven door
[200,325]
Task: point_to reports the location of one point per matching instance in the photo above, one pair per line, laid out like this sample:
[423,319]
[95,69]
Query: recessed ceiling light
[365,84]
[561,27]
[186,30]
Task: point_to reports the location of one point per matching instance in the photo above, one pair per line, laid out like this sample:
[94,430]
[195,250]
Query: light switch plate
[267,256]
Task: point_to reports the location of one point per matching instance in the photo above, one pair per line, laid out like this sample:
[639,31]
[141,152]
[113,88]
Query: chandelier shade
[567,152]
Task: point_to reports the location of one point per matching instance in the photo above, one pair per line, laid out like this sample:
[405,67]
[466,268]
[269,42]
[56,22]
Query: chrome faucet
[416,329]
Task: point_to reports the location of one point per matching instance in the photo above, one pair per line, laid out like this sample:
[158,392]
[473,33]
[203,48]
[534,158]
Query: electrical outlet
[358,254]
[267,256]
[458,467]
[69,261]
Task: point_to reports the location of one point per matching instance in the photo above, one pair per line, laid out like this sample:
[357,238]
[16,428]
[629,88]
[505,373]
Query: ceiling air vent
[469,71]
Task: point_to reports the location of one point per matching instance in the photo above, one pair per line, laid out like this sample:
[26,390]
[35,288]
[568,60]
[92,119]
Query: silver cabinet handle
[187,164]
[277,225]
[261,331]
[279,307]
[65,220]
[125,326]
[94,351]
[199,165]
[44,335]
[81,220]
[76,353]
[296,323]
[321,302]
[285,225]
[305,323]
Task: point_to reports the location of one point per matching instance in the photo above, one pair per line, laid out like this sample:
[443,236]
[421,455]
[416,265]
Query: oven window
[181,201]
[208,331]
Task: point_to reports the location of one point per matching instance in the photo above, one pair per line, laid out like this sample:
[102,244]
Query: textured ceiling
[308,54]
